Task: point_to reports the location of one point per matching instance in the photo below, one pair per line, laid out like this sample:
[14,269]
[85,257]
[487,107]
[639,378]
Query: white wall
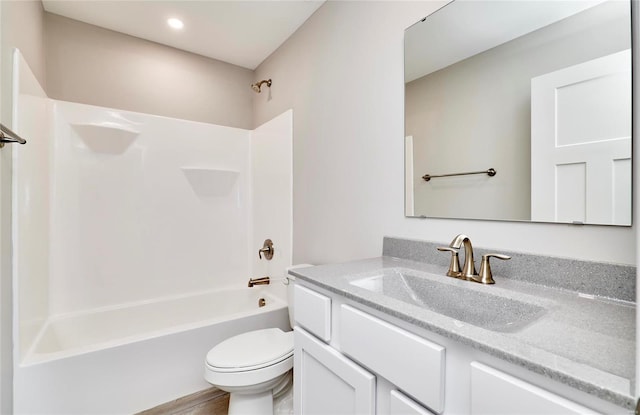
[14,32]
[144,207]
[271,152]
[342,73]
[31,202]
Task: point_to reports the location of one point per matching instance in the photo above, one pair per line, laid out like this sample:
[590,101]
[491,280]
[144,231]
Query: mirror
[538,92]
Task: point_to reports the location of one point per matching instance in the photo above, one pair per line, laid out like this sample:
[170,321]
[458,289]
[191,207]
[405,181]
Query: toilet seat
[250,358]
[253,350]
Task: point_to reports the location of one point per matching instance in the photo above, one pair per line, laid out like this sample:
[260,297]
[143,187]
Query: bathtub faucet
[258,281]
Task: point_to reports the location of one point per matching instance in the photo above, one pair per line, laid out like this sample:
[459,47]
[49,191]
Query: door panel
[581,143]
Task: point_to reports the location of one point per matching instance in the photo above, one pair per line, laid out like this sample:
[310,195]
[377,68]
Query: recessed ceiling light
[175,23]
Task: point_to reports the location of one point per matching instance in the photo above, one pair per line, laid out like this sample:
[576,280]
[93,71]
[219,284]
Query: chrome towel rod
[7,136]
[491,172]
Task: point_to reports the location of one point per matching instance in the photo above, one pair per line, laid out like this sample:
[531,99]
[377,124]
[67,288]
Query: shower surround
[133,241]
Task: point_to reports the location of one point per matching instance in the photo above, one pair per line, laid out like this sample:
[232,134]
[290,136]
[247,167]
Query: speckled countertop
[587,342]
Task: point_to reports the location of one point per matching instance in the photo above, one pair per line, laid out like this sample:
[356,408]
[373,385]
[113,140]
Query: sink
[473,305]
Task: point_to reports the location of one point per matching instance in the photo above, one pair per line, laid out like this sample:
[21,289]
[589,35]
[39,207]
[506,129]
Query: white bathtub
[126,359]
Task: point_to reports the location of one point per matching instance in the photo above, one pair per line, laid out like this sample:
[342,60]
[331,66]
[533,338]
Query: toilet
[254,367]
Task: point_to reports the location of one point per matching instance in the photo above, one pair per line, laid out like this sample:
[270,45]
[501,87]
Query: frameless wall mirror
[533,98]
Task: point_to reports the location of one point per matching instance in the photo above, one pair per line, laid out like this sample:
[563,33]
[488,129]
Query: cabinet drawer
[495,392]
[313,312]
[410,362]
[400,404]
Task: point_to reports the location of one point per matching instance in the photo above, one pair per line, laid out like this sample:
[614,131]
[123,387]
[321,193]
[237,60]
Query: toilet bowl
[254,367]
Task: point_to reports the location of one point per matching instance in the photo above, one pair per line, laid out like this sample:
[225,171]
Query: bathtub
[122,360]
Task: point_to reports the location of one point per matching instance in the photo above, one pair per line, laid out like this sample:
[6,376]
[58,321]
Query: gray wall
[342,73]
[21,26]
[476,114]
[91,65]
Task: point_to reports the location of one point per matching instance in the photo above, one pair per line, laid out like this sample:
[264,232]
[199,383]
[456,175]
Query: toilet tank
[290,280]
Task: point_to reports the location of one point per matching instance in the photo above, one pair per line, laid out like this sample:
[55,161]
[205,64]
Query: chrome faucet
[469,268]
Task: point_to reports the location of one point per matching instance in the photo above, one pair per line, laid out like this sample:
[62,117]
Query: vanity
[514,111]
[395,335]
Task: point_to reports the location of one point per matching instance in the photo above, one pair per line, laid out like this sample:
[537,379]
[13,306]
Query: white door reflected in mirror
[581,143]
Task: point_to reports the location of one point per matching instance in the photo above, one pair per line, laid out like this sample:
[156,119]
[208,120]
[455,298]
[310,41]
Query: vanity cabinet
[338,348]
[410,362]
[362,361]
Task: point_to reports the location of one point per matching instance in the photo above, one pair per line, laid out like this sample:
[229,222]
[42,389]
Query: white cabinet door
[581,143]
[496,393]
[326,382]
[400,404]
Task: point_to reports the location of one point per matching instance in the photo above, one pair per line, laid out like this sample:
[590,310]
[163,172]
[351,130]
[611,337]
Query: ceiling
[478,26]
[240,32]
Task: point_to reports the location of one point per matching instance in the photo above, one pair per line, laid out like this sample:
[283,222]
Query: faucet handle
[454,266]
[485,276]
[267,249]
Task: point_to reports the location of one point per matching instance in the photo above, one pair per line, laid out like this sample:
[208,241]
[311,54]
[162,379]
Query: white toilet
[254,367]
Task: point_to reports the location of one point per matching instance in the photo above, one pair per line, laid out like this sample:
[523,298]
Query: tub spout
[258,281]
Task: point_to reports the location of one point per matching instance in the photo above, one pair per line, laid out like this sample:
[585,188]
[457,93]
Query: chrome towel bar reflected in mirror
[490,172]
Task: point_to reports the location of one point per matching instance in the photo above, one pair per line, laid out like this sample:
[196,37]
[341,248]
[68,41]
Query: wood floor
[210,401]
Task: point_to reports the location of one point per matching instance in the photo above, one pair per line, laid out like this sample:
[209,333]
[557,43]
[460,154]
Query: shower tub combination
[133,242]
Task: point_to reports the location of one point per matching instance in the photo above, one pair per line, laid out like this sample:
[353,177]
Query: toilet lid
[255,348]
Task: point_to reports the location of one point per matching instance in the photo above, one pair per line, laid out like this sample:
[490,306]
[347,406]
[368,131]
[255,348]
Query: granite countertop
[584,341]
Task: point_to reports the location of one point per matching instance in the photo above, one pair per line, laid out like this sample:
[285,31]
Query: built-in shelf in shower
[209,182]
[106,137]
